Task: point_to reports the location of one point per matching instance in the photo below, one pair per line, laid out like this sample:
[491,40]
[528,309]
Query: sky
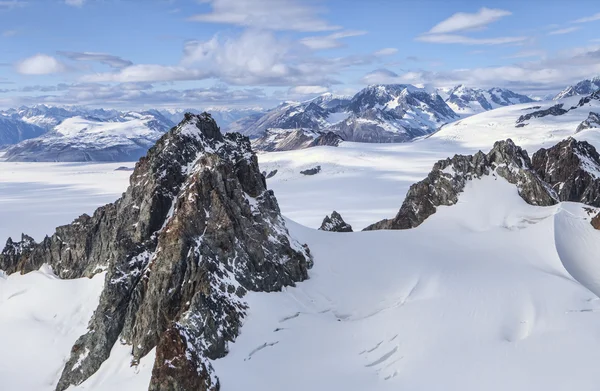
[257,53]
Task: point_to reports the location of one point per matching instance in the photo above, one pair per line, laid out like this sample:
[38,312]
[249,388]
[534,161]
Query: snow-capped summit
[329,100]
[467,101]
[584,87]
[393,113]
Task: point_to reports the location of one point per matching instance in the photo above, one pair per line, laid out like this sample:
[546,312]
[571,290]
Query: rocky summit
[195,230]
[335,223]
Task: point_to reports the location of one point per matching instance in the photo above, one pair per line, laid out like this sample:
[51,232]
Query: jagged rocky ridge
[194,231]
[568,171]
[558,110]
[448,178]
[335,223]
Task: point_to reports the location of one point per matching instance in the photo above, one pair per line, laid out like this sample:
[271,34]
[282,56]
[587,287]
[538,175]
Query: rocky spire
[335,223]
[448,178]
[195,230]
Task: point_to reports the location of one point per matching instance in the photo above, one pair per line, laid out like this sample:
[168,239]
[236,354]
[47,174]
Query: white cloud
[308,90]
[386,52]
[564,31]
[138,95]
[461,39]
[587,19]
[40,64]
[75,3]
[9,33]
[290,15]
[462,21]
[528,53]
[107,59]
[546,75]
[330,41]
[10,4]
[146,73]
[252,58]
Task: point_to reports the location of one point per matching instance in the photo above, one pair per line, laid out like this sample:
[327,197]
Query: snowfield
[488,294]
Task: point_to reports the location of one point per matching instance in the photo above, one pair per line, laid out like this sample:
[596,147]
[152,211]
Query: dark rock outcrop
[555,110]
[448,178]
[592,121]
[195,230]
[572,168]
[311,171]
[271,174]
[335,223]
[329,139]
[15,252]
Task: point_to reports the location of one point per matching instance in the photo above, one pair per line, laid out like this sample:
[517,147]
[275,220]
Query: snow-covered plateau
[488,294]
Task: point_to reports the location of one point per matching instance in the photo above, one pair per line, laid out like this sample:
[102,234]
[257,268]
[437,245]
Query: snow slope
[42,316]
[481,130]
[489,306]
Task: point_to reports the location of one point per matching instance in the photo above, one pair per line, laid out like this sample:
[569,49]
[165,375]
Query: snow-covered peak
[584,87]
[468,101]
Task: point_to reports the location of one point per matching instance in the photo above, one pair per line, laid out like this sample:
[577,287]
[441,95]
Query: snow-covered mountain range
[48,133]
[379,113]
[468,101]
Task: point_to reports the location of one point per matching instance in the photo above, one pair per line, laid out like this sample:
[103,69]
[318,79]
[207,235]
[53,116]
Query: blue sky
[190,53]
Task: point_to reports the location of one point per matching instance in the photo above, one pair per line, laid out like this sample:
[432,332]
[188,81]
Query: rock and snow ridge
[195,230]
[568,171]
[448,178]
[468,101]
[584,87]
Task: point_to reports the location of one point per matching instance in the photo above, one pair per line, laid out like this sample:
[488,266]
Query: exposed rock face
[327,139]
[292,139]
[592,121]
[311,171]
[555,110]
[448,178]
[572,168]
[335,223]
[596,221]
[194,231]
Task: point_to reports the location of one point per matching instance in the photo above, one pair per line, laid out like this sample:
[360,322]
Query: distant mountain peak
[584,87]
